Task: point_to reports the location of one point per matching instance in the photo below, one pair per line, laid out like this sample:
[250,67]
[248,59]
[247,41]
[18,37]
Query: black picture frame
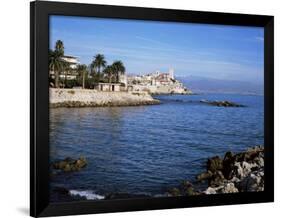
[39,107]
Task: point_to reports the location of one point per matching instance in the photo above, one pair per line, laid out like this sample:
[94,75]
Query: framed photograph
[144,108]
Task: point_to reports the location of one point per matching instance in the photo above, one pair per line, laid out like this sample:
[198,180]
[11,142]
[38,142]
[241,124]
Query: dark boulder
[214,164]
[228,165]
[217,179]
[222,103]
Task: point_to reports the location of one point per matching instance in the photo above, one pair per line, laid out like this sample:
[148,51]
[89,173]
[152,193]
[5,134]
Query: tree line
[97,71]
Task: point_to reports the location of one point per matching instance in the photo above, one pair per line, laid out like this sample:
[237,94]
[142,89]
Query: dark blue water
[148,149]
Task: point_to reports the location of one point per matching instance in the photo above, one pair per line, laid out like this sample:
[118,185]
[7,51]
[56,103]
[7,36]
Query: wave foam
[88,194]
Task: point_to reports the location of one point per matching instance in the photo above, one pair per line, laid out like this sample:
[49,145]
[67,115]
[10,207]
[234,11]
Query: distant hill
[210,85]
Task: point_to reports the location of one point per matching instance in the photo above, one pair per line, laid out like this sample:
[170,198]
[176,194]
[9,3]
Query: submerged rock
[222,103]
[69,164]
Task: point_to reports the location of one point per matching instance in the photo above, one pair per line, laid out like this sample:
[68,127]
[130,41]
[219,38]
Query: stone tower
[171,73]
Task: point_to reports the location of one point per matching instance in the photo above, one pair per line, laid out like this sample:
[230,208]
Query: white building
[73,63]
[108,87]
[123,80]
[72,60]
[157,82]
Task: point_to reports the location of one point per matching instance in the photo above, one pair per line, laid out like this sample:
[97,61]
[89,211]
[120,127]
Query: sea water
[149,149]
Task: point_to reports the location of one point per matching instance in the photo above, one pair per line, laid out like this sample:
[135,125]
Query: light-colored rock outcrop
[241,172]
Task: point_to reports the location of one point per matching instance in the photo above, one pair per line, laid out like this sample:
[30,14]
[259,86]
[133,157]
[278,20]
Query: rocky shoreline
[93,98]
[241,172]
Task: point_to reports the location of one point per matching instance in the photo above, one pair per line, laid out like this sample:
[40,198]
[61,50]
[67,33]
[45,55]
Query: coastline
[234,173]
[93,98]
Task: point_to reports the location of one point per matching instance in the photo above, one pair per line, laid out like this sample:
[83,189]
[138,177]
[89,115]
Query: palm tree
[55,60]
[55,64]
[82,70]
[119,69]
[59,47]
[98,63]
[108,71]
[65,69]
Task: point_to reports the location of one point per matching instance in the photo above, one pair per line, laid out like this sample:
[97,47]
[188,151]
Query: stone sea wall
[93,98]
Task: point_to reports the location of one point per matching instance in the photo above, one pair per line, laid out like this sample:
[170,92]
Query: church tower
[171,73]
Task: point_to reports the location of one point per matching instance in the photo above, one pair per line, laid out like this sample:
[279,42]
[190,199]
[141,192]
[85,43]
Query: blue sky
[214,51]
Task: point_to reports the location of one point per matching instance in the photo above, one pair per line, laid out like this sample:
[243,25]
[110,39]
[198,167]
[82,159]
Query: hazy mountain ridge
[210,85]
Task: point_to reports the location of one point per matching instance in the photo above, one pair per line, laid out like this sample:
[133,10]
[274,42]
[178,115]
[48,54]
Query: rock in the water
[69,164]
[81,162]
[222,103]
